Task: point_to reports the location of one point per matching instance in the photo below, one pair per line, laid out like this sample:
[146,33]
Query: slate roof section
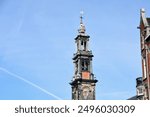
[133,98]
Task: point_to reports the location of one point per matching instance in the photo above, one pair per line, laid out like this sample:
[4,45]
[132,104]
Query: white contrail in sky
[30,83]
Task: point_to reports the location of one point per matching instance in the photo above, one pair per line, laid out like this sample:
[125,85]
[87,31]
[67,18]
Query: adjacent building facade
[83,82]
[143,84]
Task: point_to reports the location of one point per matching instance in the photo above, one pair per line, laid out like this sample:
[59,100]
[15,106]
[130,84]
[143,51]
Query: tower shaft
[83,82]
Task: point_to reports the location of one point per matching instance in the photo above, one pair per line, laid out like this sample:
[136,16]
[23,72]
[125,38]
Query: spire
[81,17]
[81,29]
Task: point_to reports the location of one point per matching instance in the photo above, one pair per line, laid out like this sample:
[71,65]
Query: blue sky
[37,46]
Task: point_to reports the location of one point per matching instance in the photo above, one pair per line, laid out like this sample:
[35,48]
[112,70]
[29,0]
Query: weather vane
[81,16]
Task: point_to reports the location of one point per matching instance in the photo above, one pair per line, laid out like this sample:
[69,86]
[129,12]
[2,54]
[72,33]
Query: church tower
[83,82]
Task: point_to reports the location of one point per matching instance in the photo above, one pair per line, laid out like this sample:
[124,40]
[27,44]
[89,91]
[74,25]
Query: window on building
[81,42]
[84,45]
[85,65]
[140,91]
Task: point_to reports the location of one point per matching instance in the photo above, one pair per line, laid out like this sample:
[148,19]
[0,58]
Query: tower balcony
[82,53]
[79,80]
[82,76]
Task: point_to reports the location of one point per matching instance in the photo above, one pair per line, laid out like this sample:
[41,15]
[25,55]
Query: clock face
[85,93]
